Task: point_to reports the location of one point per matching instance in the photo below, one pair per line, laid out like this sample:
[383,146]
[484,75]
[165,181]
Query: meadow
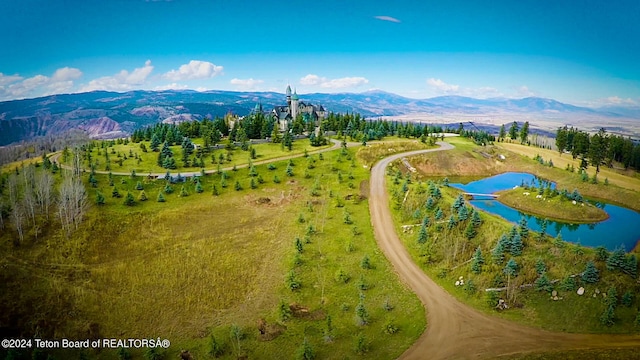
[211,267]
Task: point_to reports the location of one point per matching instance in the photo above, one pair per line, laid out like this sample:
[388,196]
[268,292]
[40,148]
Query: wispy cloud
[387,18]
[17,87]
[195,69]
[248,84]
[442,88]
[122,81]
[172,86]
[345,82]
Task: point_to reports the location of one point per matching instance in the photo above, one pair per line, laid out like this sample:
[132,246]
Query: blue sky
[584,52]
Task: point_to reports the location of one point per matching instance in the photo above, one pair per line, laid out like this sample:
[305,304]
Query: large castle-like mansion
[285,114]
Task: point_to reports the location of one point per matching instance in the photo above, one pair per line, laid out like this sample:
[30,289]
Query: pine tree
[470,232]
[475,219]
[142,196]
[543,283]
[160,197]
[422,235]
[365,263]
[463,213]
[362,316]
[590,274]
[199,188]
[168,189]
[478,260]
[139,186]
[541,268]
[452,222]
[511,268]
[608,316]
[289,170]
[617,259]
[115,193]
[129,200]
[516,245]
[523,229]
[183,192]
[439,214]
[237,186]
[497,254]
[99,199]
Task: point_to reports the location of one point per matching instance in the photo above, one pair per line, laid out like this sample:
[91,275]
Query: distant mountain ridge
[111,114]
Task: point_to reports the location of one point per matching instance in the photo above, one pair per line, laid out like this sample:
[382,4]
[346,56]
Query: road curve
[455,330]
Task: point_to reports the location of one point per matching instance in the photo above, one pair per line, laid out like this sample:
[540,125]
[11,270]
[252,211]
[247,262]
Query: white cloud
[66,73]
[387,18]
[122,81]
[8,79]
[616,100]
[249,83]
[17,87]
[311,80]
[524,91]
[195,69]
[340,83]
[172,86]
[442,87]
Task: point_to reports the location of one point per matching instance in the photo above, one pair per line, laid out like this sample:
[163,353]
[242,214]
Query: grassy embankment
[552,208]
[196,265]
[447,253]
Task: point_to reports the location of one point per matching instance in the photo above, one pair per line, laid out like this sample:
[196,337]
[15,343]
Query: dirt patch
[268,332]
[263,200]
[364,189]
[302,312]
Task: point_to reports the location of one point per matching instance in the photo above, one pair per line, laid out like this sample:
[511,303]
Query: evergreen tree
[155,142]
[502,132]
[524,132]
[115,193]
[523,229]
[513,131]
[142,196]
[541,268]
[511,268]
[168,189]
[237,186]
[478,260]
[608,316]
[129,200]
[617,259]
[475,219]
[139,186]
[289,170]
[452,222]
[215,348]
[422,235]
[99,199]
[590,274]
[292,281]
[439,214]
[365,263]
[216,192]
[183,192]
[362,316]
[160,197]
[516,245]
[199,188]
[497,254]
[630,266]
[470,232]
[463,213]
[543,283]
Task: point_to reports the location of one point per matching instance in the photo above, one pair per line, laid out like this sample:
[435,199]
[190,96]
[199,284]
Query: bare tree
[17,218]
[72,203]
[43,191]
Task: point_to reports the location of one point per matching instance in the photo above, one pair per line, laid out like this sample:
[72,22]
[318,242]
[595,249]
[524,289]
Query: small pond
[621,228]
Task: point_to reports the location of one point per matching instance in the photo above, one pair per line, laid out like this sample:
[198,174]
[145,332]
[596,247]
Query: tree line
[598,149]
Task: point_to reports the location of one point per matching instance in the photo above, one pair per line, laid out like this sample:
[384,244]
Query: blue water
[621,228]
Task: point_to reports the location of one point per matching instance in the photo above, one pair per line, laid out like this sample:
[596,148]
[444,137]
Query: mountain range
[103,114]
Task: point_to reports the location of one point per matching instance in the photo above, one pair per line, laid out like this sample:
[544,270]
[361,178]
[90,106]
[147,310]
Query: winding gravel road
[455,330]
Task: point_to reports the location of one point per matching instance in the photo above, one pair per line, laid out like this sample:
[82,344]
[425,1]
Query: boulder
[554,293]
[458,283]
[580,291]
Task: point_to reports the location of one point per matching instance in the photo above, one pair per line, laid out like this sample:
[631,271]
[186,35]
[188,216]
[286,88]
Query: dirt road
[455,330]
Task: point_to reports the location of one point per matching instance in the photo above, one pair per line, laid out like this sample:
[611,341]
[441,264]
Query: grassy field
[133,158]
[448,252]
[556,208]
[198,265]
[602,354]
